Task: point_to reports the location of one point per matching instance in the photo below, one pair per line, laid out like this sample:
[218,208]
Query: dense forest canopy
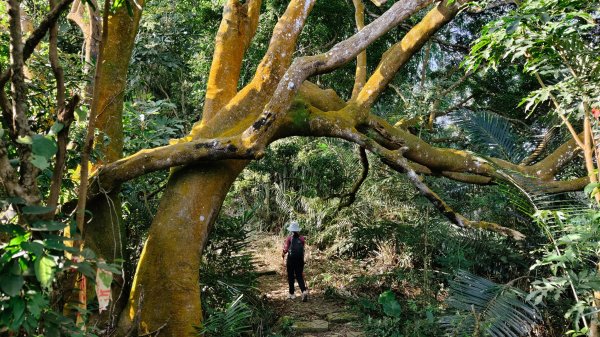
[148,150]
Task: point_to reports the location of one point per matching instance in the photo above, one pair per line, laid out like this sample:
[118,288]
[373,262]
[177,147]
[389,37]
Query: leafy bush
[229,322]
[32,258]
[570,257]
[230,302]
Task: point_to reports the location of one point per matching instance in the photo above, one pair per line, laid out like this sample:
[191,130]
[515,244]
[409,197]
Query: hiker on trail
[294,248]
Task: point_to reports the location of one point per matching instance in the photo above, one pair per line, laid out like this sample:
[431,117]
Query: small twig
[65,117]
[155,332]
[349,198]
[55,63]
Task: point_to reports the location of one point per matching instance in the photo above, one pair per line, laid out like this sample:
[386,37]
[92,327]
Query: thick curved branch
[164,157]
[237,28]
[250,100]
[360,77]
[554,162]
[423,158]
[397,55]
[398,162]
[267,125]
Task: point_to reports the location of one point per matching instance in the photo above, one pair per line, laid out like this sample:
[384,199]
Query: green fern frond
[487,308]
[231,322]
[495,133]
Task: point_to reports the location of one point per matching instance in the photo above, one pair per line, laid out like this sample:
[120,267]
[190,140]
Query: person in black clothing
[294,248]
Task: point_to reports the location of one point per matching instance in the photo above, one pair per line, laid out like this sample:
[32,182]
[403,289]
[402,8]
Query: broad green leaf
[43,146]
[109,267]
[34,209]
[591,188]
[39,162]
[44,270]
[11,284]
[36,305]
[390,305]
[34,247]
[56,128]
[18,310]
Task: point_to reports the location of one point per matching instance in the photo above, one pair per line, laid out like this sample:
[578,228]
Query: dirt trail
[317,310]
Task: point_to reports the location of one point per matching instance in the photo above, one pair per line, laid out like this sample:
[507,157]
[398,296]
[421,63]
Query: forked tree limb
[10,180]
[268,123]
[236,30]
[426,159]
[250,100]
[396,56]
[90,130]
[360,76]
[395,159]
[348,199]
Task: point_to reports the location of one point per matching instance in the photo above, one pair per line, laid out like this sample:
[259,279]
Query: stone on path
[343,334]
[311,326]
[342,317]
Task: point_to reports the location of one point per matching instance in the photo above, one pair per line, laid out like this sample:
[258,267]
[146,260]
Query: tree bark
[104,232]
[166,292]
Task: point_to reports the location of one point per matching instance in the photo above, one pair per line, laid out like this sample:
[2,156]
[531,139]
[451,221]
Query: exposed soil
[274,287]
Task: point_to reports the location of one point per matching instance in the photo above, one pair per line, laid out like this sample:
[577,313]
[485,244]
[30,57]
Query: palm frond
[495,133]
[556,206]
[231,322]
[487,308]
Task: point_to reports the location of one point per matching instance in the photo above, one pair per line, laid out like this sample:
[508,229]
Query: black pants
[295,267]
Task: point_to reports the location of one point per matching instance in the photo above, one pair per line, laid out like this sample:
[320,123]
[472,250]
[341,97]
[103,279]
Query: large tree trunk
[166,291]
[104,232]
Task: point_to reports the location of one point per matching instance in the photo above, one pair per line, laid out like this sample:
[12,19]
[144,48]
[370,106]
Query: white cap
[293,227]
